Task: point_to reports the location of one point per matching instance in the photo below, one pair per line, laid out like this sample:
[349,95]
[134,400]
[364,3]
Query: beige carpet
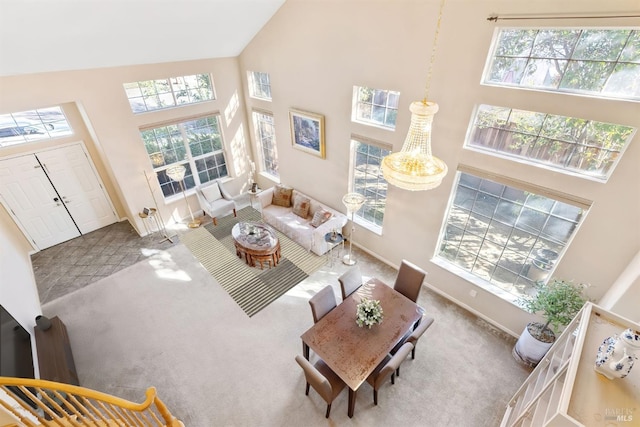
[252,288]
[165,322]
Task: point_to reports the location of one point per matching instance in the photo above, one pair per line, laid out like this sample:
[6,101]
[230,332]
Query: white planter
[529,350]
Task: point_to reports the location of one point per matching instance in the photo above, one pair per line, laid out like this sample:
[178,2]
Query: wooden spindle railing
[37,403]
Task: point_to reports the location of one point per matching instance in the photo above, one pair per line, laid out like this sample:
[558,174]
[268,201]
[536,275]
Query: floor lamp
[353,202]
[176,173]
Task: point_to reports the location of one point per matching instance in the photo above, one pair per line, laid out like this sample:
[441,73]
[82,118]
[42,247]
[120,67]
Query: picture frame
[307,132]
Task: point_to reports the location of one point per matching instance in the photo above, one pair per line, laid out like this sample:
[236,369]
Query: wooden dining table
[353,352]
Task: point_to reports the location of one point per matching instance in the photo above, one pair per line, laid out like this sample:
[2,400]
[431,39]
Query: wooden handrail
[48,403]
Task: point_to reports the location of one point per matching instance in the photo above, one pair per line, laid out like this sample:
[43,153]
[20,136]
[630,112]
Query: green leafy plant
[369,312]
[558,302]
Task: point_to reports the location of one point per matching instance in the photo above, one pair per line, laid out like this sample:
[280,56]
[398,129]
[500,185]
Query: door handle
[55,199]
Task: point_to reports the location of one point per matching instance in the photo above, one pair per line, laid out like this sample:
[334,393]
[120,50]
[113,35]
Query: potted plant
[558,302]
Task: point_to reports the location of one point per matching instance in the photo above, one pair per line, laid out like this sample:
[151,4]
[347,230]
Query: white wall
[316,51]
[18,291]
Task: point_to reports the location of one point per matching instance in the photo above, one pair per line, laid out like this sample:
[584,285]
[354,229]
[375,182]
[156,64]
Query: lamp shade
[414,167]
[176,173]
[353,201]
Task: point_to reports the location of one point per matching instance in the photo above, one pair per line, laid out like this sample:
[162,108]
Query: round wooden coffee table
[256,243]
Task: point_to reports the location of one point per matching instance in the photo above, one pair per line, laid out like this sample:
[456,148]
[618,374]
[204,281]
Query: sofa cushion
[301,206]
[282,196]
[211,192]
[320,217]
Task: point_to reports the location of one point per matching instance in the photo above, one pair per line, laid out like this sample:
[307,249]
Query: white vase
[616,354]
[529,349]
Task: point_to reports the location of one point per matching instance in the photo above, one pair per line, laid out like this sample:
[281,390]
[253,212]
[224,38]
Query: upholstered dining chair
[215,200]
[389,366]
[322,303]
[322,379]
[413,337]
[409,280]
[350,281]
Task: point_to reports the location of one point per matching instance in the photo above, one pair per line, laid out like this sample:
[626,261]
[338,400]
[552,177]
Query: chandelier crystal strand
[415,168]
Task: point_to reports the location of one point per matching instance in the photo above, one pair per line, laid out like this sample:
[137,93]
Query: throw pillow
[301,206]
[282,196]
[320,217]
[211,192]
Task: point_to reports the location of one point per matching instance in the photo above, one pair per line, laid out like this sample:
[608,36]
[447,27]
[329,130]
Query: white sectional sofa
[297,228]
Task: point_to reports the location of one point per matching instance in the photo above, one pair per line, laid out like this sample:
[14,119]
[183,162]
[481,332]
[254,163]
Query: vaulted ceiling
[55,35]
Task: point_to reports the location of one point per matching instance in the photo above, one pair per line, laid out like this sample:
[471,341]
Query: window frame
[190,159]
[356,102]
[21,128]
[261,146]
[172,83]
[257,87]
[501,132]
[484,283]
[359,216]
[491,57]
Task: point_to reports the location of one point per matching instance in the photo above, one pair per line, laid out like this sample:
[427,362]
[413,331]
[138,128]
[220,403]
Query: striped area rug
[252,288]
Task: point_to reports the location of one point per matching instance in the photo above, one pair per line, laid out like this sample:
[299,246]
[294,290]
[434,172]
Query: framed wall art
[307,132]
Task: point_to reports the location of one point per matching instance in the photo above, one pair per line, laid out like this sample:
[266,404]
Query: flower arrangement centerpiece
[369,313]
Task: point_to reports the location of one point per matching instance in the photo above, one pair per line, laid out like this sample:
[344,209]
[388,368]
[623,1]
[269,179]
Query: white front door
[76,182]
[38,208]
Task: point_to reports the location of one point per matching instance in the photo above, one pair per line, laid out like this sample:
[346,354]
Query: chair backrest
[419,330]
[393,364]
[322,303]
[409,280]
[350,281]
[315,378]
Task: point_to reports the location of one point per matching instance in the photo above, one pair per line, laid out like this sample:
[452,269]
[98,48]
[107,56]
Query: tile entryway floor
[69,266]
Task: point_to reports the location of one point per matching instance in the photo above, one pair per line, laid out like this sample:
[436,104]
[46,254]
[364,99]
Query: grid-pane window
[584,147]
[367,179]
[375,106]
[604,62]
[150,95]
[32,125]
[259,85]
[507,236]
[196,144]
[266,138]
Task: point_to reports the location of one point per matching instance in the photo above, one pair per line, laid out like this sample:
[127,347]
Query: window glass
[375,106]
[367,179]
[32,125]
[601,62]
[266,139]
[506,236]
[259,85]
[158,94]
[580,146]
[195,144]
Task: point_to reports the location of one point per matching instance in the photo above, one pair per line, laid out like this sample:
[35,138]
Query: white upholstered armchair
[214,200]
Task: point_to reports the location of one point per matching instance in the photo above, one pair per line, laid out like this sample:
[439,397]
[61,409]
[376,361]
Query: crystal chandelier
[415,168]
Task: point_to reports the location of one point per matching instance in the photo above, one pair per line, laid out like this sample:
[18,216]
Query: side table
[334,240]
[253,195]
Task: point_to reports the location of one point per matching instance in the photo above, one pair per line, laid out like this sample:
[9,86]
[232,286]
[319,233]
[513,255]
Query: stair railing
[38,403]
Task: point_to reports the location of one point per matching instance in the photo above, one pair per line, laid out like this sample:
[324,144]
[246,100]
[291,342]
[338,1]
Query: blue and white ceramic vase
[616,354]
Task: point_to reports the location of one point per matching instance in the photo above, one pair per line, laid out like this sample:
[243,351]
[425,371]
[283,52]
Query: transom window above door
[150,95]
[196,144]
[32,125]
[594,61]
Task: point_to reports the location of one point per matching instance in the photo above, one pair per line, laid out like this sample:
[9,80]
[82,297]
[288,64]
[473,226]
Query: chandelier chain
[433,53]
